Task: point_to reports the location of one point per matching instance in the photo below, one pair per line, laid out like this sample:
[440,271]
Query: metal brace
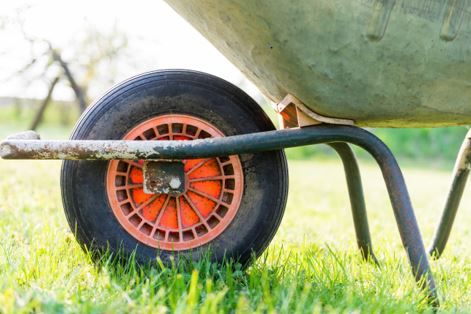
[293,113]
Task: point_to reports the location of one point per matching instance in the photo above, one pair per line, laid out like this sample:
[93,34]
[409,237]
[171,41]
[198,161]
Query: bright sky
[159,39]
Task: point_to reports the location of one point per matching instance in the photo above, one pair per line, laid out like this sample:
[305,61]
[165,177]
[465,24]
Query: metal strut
[458,183]
[252,143]
[357,200]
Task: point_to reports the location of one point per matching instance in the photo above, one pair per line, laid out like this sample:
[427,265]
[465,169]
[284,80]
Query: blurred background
[56,57]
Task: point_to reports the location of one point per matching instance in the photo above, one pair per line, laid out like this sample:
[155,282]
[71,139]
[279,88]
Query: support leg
[357,200]
[460,177]
[403,210]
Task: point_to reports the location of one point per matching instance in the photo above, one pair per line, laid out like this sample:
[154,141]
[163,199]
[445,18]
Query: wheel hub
[164,177]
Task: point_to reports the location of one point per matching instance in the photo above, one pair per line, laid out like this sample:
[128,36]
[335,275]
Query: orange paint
[169,216]
[151,211]
[189,217]
[182,224]
[139,197]
[212,188]
[209,169]
[204,205]
[136,175]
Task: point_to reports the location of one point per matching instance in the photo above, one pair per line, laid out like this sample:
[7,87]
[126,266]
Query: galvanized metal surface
[378,62]
[460,178]
[252,143]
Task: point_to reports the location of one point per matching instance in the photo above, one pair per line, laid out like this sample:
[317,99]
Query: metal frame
[335,135]
[357,200]
[458,183]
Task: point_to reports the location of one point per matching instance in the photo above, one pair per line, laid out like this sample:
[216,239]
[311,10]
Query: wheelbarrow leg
[403,211]
[357,200]
[460,177]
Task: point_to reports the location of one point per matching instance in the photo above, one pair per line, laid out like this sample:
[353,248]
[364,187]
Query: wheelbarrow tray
[379,63]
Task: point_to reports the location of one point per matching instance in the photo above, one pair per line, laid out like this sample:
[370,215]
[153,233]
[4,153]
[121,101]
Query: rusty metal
[252,143]
[460,178]
[164,177]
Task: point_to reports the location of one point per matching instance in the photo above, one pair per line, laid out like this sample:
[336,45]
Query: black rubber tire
[175,92]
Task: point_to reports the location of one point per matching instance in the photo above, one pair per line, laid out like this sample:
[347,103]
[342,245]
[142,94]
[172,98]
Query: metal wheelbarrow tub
[381,63]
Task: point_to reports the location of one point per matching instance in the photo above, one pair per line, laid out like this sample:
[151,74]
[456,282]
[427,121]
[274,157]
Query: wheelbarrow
[176,163]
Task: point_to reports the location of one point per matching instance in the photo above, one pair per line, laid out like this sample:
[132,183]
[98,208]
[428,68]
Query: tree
[76,66]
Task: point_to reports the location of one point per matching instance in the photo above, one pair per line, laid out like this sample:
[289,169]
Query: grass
[312,265]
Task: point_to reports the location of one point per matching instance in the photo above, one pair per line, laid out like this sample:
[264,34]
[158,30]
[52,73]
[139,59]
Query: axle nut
[175,183]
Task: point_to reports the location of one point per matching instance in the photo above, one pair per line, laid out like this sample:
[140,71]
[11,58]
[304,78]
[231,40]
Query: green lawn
[311,266]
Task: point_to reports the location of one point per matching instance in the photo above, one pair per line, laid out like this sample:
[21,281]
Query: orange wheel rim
[212,196]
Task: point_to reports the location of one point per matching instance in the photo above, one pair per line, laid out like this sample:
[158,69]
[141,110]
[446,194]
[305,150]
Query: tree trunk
[76,88]
[40,113]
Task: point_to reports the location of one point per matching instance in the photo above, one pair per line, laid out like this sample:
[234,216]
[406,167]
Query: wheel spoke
[170,132]
[179,217]
[196,210]
[141,224]
[161,213]
[134,163]
[129,187]
[140,207]
[213,178]
[159,216]
[121,203]
[198,165]
[226,163]
[197,134]
[209,197]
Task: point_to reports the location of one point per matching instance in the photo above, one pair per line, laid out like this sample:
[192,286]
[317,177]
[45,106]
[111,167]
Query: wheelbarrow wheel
[231,206]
